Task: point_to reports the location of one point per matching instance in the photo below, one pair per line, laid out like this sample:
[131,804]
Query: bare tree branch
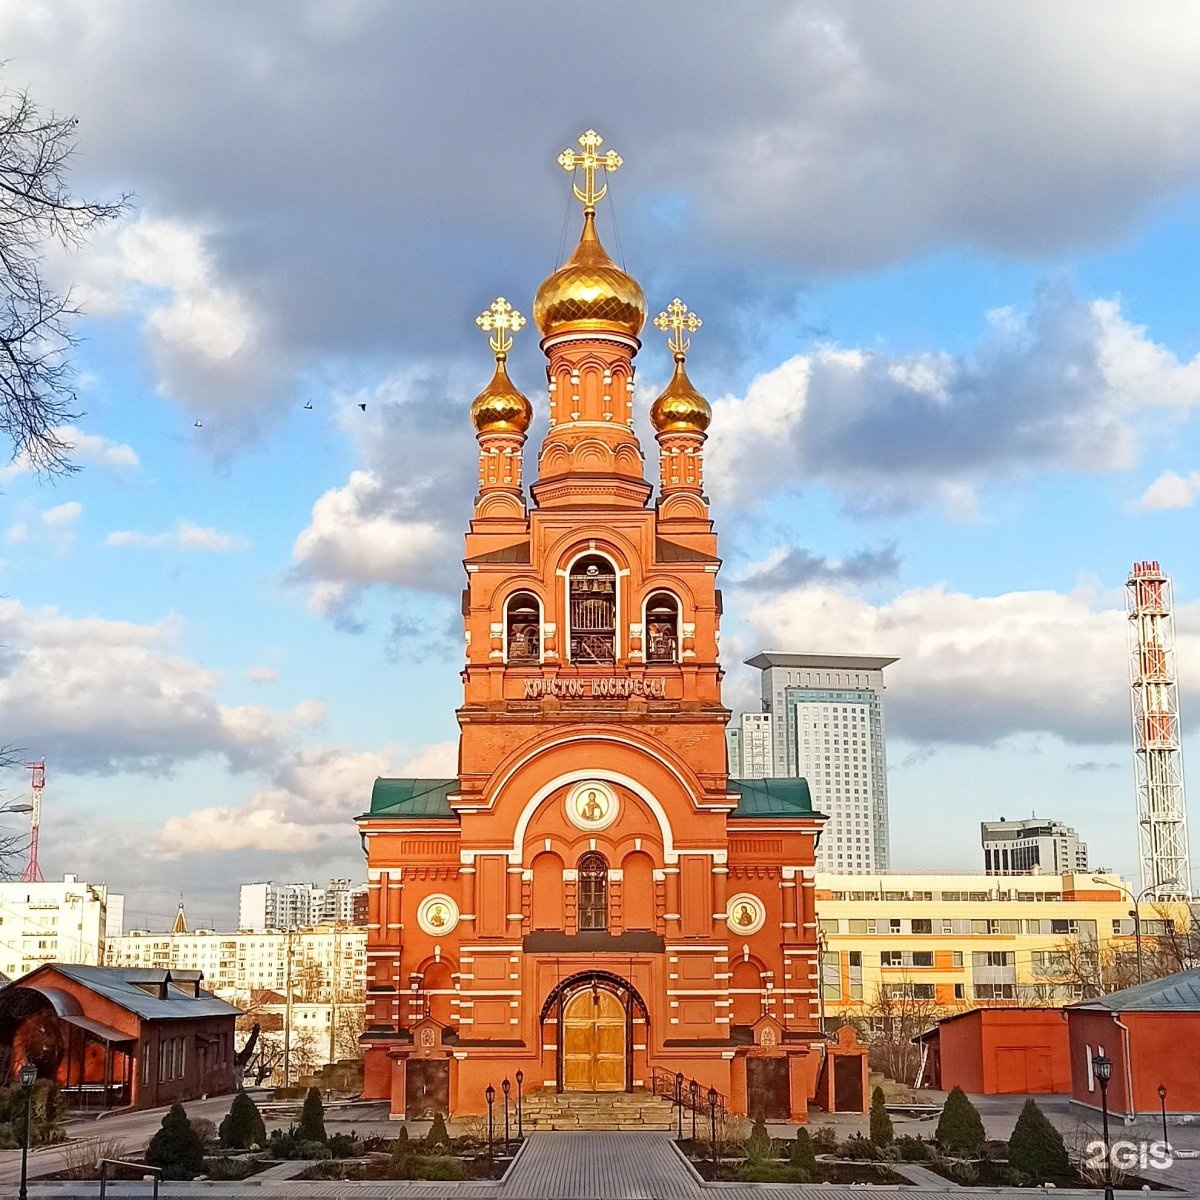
[37,395]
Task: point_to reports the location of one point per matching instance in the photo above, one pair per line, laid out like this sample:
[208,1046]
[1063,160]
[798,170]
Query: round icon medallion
[437,915]
[746,913]
[592,805]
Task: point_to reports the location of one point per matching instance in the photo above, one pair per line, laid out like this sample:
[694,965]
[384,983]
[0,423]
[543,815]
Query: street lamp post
[505,1087]
[520,1077]
[490,1096]
[1162,1103]
[28,1078]
[712,1119]
[1102,1069]
[693,1104]
[679,1102]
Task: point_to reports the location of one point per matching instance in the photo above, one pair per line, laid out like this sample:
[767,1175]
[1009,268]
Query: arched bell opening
[662,628]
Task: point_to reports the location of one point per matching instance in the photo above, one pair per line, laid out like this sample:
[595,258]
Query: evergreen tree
[312,1118]
[437,1137]
[881,1123]
[399,1164]
[243,1126]
[1036,1148]
[176,1147]
[960,1128]
[804,1155]
[758,1144]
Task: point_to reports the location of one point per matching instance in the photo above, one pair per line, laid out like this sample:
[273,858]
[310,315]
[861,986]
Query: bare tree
[899,1011]
[13,846]
[37,397]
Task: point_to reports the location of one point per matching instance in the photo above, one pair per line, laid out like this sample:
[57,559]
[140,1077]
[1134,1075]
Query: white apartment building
[269,905]
[757,746]
[826,715]
[1032,847]
[313,962]
[53,922]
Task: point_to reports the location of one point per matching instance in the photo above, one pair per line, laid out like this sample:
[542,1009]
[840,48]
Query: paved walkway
[552,1166]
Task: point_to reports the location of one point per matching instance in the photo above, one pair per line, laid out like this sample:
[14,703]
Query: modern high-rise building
[1032,847]
[755,741]
[826,715]
[270,906]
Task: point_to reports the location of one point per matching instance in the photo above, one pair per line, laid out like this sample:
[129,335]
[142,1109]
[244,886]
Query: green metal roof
[772,798]
[425,798]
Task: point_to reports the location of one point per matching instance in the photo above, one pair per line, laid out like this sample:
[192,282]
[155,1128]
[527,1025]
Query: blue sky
[946,260]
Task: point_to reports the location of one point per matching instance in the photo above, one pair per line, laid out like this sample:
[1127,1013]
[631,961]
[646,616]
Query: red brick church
[592,900]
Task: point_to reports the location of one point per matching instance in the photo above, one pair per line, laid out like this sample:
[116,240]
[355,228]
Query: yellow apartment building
[943,942]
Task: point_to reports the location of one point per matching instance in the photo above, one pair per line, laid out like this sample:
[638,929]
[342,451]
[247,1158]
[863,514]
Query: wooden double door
[595,1045]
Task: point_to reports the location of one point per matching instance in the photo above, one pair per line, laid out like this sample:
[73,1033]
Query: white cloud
[1063,387]
[1171,490]
[262,674]
[62,515]
[185,536]
[310,803]
[975,669]
[85,448]
[100,695]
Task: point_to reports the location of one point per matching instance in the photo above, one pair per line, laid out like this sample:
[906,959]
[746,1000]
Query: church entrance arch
[593,1013]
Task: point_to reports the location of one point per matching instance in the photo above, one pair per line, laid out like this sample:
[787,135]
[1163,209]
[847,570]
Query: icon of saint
[744,915]
[437,916]
[592,809]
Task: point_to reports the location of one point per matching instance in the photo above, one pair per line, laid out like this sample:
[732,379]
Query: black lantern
[1162,1104]
[679,1102]
[1102,1070]
[520,1077]
[712,1118]
[490,1096]
[505,1087]
[28,1078]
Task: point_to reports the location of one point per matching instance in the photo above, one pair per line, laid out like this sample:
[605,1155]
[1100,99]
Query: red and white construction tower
[33,872]
[1158,758]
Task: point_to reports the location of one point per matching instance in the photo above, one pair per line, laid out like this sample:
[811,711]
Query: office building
[1031,847]
[827,727]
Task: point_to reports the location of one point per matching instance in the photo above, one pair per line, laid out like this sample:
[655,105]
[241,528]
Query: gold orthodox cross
[501,317]
[677,318]
[590,161]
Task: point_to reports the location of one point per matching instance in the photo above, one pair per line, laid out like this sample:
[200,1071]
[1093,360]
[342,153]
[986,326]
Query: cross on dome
[501,317]
[590,161]
[676,317]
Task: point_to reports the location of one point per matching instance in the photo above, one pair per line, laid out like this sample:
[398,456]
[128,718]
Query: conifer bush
[881,1124]
[242,1127]
[401,1153]
[758,1144]
[312,1118]
[176,1147]
[1036,1148]
[960,1127]
[804,1155]
[437,1138]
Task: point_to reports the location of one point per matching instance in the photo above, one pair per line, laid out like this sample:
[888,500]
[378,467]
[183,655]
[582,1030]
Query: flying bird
[309,404]
[198,424]
[363,407]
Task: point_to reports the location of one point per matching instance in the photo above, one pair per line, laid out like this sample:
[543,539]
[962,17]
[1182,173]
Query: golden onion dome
[680,408]
[590,292]
[500,408]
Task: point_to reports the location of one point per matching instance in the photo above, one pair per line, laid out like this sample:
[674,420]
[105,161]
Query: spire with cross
[590,161]
[501,320]
[676,317]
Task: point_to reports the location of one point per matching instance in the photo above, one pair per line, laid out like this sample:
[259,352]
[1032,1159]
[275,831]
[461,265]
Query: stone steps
[594,1111]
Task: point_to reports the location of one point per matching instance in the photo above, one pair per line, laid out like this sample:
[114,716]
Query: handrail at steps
[144,1168]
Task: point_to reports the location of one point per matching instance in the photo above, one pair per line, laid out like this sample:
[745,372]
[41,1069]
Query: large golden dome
[590,292]
[680,408]
[500,408]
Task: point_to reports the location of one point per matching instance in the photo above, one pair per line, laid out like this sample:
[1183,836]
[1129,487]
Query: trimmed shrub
[804,1156]
[859,1148]
[960,1128]
[759,1147]
[242,1127]
[825,1140]
[881,1124]
[911,1149]
[1036,1148]
[312,1118]
[175,1147]
[402,1150]
[312,1149]
[437,1138]
[345,1145]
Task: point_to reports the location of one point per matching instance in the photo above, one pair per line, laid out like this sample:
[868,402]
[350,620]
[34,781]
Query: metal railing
[705,1103]
[141,1168]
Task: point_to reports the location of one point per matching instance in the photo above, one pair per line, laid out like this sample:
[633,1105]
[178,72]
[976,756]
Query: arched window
[662,628]
[593,608]
[593,893]
[523,628]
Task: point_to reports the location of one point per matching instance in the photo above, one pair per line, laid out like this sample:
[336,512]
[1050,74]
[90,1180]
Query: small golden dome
[500,408]
[590,292]
[680,408]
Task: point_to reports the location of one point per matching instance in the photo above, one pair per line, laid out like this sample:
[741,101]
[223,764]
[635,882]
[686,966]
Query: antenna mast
[33,872]
[1157,755]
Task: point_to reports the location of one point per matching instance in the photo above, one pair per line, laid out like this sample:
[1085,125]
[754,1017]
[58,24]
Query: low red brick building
[116,1036]
[1150,1032]
[998,1051]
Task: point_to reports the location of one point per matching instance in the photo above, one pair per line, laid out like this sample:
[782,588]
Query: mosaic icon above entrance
[592,805]
[746,913]
[437,914]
